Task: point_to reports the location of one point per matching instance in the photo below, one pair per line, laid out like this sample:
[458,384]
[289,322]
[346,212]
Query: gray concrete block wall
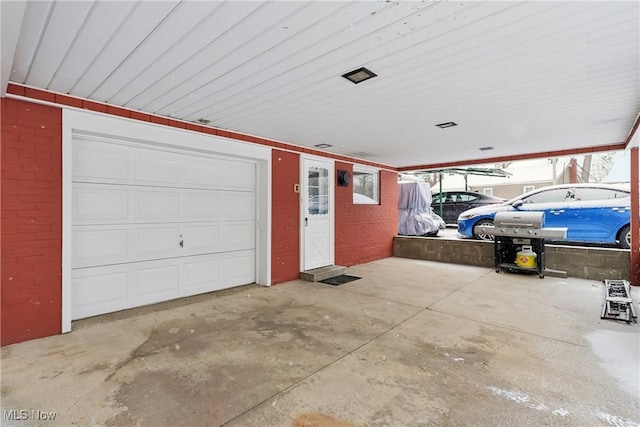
[471,252]
[584,263]
[589,263]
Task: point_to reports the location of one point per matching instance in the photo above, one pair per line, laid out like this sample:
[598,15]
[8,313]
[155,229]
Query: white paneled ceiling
[522,77]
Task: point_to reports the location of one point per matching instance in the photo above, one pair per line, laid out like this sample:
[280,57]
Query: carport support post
[634,263]
[440,192]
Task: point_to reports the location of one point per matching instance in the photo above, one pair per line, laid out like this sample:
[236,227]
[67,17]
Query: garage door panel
[218,237]
[99,246]
[151,242]
[202,239]
[100,291]
[156,167]
[99,162]
[98,203]
[206,273]
[202,172]
[201,274]
[202,205]
[238,268]
[238,236]
[113,162]
[238,206]
[106,289]
[156,205]
[153,282]
[238,175]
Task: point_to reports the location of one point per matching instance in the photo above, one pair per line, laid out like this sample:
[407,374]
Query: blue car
[594,213]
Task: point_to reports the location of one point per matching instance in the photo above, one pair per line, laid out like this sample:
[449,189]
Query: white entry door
[317,213]
[154,224]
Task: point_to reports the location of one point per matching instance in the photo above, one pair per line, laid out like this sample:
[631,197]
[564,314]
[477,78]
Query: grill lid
[519,219]
[522,224]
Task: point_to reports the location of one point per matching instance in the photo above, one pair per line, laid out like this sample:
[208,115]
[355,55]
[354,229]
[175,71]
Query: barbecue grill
[519,235]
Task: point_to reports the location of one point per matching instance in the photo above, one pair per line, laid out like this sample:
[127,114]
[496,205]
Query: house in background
[528,175]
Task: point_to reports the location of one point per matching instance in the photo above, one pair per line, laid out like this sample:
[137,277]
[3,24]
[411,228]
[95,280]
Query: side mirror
[517,204]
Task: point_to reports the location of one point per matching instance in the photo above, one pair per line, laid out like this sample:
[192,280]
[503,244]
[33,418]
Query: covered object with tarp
[415,216]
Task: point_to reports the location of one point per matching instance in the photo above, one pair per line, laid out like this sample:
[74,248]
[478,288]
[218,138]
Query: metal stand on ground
[514,231]
[618,304]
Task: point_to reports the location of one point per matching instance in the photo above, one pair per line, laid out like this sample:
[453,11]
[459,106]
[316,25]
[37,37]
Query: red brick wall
[285,217]
[365,232]
[31,231]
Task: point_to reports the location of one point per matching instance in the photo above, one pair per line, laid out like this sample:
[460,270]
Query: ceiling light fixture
[487,148]
[359,75]
[447,125]
[323,145]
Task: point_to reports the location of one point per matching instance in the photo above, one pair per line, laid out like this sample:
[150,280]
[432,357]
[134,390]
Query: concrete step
[322,273]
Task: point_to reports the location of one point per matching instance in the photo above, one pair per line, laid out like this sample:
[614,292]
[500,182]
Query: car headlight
[467,216]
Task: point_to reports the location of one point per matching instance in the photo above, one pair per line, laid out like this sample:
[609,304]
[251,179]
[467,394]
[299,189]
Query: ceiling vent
[447,125]
[359,75]
[323,145]
[487,148]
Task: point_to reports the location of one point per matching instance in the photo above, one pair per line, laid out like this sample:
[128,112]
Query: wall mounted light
[344,178]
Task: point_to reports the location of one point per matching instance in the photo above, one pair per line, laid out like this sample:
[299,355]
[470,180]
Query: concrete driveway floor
[411,343]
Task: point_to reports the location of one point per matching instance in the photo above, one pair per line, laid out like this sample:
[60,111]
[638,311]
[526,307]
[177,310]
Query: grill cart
[519,239]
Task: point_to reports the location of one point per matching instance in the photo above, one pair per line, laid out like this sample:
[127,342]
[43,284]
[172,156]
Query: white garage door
[150,225]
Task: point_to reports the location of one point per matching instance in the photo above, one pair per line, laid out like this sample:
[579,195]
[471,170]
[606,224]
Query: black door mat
[339,280]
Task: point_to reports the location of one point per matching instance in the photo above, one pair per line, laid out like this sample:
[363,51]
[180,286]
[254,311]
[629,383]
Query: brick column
[31,231]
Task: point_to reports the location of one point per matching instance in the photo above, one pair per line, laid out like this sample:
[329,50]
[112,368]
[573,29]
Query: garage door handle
[181,242]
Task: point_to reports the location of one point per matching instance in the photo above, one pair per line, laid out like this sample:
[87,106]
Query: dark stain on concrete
[199,359]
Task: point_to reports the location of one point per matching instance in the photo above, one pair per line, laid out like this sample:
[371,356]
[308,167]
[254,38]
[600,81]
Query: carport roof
[518,78]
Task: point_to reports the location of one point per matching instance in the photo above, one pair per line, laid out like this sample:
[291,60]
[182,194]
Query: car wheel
[624,237]
[478,234]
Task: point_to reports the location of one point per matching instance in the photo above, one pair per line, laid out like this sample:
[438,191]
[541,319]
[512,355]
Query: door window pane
[318,191]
